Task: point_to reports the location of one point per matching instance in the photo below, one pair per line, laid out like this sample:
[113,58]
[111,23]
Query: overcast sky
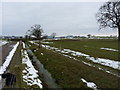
[70,18]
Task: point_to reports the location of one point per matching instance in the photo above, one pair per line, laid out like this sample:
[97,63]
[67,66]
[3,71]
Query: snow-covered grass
[67,72]
[3,42]
[90,47]
[8,59]
[105,62]
[110,49]
[90,84]
[30,74]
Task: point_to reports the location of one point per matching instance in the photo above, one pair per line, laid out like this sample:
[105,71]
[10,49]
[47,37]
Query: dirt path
[16,66]
[4,51]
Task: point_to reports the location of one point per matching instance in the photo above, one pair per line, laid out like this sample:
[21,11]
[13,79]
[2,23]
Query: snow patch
[110,49]
[106,62]
[30,74]
[47,42]
[29,45]
[90,84]
[3,42]
[42,54]
[31,42]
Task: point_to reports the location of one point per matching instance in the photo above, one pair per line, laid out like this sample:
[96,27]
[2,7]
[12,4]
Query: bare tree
[89,35]
[36,31]
[109,16]
[53,35]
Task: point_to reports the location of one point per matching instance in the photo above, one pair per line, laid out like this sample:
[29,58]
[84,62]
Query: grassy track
[68,73]
[16,67]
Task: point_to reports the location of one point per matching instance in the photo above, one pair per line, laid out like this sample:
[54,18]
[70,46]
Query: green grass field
[68,72]
[90,47]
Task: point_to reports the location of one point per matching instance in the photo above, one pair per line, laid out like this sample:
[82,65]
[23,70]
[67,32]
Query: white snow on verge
[110,49]
[3,42]
[30,75]
[90,84]
[8,59]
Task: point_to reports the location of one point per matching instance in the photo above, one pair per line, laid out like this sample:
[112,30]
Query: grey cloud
[62,18]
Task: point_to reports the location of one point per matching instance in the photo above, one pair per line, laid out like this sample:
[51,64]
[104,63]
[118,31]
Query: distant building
[69,37]
[49,37]
[10,37]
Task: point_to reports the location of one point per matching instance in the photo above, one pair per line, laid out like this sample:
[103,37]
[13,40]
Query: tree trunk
[118,33]
[39,42]
[119,46]
[119,42]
